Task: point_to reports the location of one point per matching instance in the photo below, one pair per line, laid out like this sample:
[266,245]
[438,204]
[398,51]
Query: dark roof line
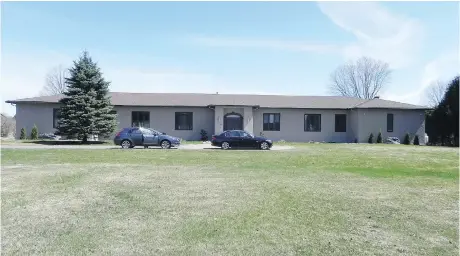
[263,101]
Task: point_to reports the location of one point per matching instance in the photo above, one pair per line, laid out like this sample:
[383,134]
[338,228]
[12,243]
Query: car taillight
[118,133]
[213,138]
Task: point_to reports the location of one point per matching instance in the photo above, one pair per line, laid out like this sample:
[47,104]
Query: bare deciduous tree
[8,125]
[55,81]
[364,78]
[435,92]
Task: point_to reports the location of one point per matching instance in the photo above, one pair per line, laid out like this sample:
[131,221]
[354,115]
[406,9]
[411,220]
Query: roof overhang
[213,106]
[421,108]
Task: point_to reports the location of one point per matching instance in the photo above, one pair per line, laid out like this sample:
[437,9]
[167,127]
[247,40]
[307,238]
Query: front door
[233,121]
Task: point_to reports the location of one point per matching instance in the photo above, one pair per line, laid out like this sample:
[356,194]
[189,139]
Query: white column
[218,119]
[248,123]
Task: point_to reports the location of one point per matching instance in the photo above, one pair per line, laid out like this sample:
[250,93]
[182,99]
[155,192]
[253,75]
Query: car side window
[147,132]
[135,131]
[235,134]
[244,134]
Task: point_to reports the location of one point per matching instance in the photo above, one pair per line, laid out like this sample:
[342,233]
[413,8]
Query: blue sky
[229,47]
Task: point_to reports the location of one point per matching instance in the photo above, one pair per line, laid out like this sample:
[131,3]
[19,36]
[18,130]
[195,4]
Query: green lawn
[69,142]
[54,142]
[318,199]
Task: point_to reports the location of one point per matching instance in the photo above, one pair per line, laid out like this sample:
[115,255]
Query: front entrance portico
[233,121]
[233,118]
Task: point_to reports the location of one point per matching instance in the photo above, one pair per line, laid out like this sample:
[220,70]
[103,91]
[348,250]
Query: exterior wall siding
[404,121]
[292,125]
[248,120]
[354,131]
[161,118]
[218,120]
[360,123]
[39,114]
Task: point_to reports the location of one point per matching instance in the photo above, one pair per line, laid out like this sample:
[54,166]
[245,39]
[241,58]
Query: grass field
[326,199]
[69,142]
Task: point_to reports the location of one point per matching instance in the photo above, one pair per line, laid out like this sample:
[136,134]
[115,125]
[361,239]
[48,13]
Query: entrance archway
[233,121]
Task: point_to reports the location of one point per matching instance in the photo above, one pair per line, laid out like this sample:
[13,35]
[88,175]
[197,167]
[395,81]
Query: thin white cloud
[379,33]
[443,68]
[297,46]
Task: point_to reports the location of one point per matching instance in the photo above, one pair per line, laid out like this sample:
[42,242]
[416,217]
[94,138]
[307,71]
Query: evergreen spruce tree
[86,108]
[406,140]
[371,139]
[23,135]
[379,137]
[34,133]
[416,141]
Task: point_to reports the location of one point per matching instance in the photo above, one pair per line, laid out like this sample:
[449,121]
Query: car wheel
[225,145]
[126,144]
[165,144]
[264,145]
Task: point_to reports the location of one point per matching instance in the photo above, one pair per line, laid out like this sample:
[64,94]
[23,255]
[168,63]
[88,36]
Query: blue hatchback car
[138,136]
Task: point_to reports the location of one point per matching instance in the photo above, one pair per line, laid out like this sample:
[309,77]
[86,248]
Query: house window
[184,121]
[340,123]
[140,119]
[312,122]
[55,117]
[271,122]
[390,118]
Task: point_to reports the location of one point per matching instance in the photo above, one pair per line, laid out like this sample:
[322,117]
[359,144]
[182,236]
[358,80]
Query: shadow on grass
[187,149]
[66,142]
[234,149]
[142,147]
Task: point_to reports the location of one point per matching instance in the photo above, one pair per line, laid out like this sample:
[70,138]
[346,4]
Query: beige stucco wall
[218,120]
[39,114]
[292,125]
[360,123]
[404,121]
[354,131]
[248,119]
[161,118]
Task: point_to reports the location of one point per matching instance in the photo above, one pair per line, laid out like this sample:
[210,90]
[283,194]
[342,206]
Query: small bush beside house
[379,138]
[23,135]
[34,133]
[416,141]
[371,139]
[406,140]
[204,135]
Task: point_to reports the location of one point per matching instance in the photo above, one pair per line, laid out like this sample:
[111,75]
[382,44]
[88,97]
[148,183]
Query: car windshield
[146,131]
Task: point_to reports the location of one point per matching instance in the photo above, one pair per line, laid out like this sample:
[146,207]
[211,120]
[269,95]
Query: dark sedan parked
[138,136]
[240,139]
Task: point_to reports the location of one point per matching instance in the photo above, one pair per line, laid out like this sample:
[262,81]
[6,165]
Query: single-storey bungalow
[278,117]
